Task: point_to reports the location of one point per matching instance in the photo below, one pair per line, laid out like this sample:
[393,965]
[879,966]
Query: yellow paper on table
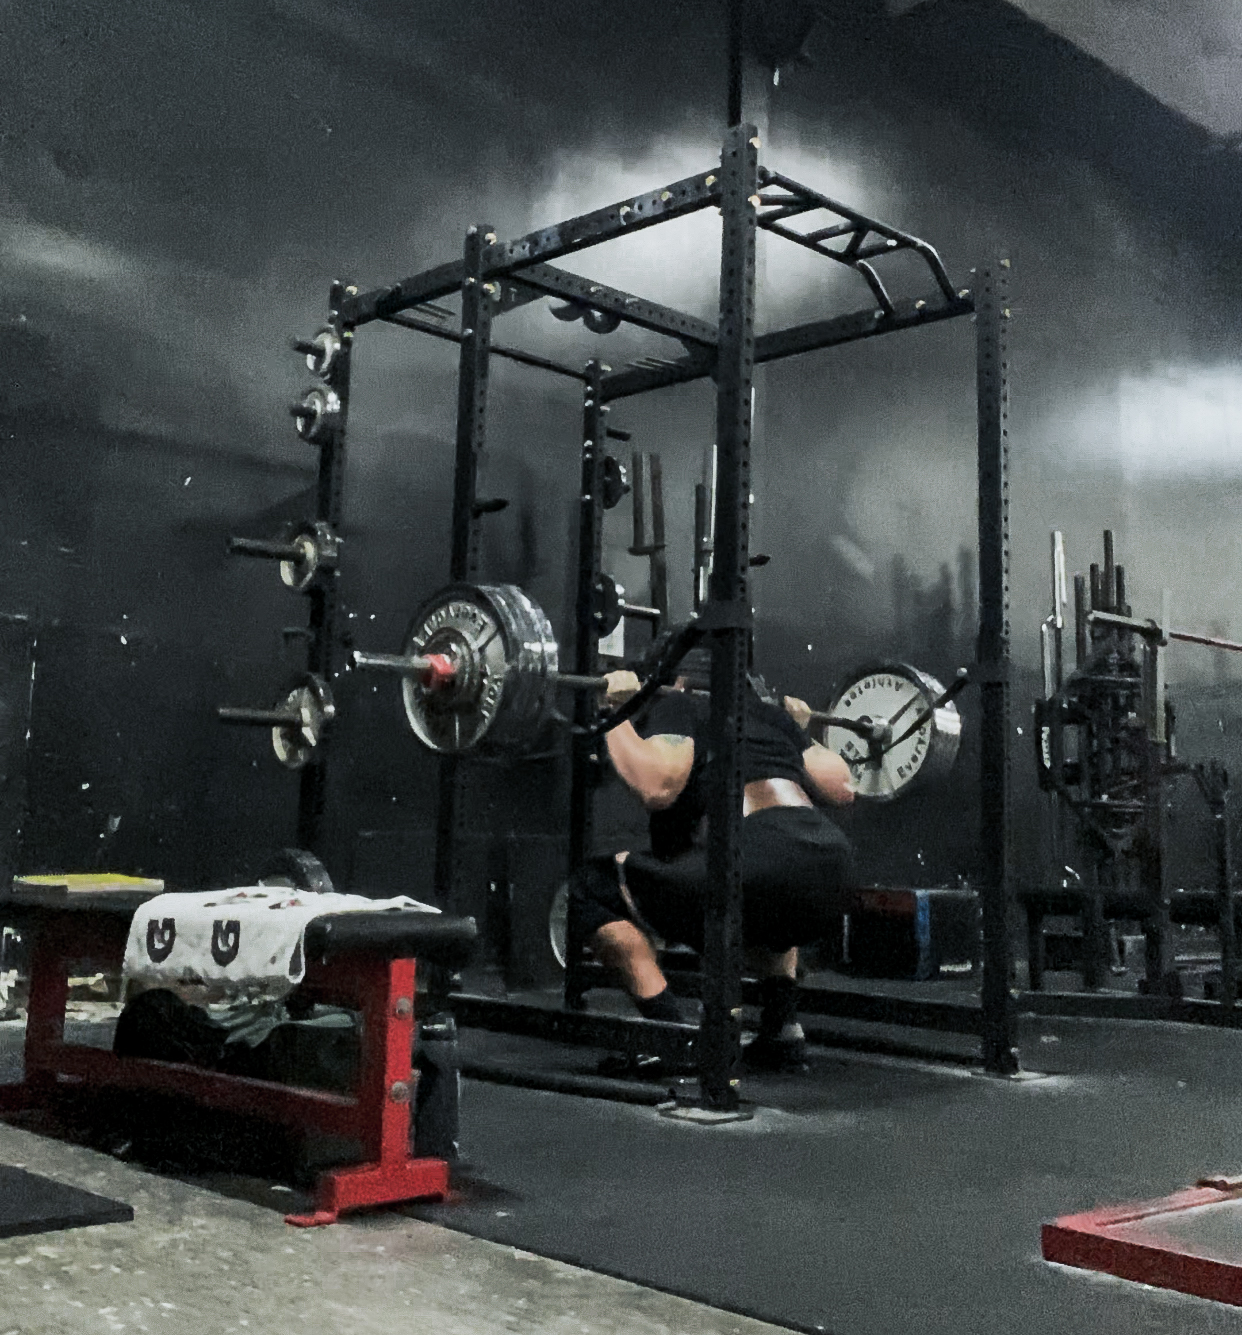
[83,882]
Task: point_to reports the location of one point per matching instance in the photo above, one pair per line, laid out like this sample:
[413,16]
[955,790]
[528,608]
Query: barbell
[479,671]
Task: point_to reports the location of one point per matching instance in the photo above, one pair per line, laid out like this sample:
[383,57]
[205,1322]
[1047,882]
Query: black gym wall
[181,184]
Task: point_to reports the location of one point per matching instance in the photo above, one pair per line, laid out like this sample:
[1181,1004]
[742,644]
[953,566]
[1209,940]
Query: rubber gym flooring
[872,1195]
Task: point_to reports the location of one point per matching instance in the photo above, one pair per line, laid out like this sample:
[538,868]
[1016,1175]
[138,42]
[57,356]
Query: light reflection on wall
[1156,456]
[165,338]
[1181,419]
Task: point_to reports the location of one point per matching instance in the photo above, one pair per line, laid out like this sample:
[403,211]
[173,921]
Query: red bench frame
[378,1115]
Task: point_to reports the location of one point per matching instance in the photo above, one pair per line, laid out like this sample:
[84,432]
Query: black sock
[778,999]
[663,1006]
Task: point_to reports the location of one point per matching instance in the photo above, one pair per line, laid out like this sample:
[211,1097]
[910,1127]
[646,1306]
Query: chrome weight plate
[506,656]
[896,695]
[310,701]
[317,551]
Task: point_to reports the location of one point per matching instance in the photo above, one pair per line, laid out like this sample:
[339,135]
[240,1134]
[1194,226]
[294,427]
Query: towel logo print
[225,941]
[161,936]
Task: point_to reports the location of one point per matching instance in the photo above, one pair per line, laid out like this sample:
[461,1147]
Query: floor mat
[33,1204]
[869,1196]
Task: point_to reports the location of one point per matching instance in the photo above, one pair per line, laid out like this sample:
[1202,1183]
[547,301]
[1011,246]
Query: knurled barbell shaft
[415,665]
[259,718]
[412,666]
[270,548]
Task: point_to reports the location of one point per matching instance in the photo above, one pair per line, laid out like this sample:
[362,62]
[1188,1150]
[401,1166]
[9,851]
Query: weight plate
[606,599]
[558,924]
[327,347]
[505,652]
[294,744]
[318,548]
[322,410]
[298,868]
[898,694]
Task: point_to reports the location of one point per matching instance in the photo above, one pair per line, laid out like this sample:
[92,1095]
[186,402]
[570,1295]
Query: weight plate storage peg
[915,729]
[616,483]
[607,600]
[304,553]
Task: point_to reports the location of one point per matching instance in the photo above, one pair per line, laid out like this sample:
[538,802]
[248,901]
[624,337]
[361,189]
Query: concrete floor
[195,1262]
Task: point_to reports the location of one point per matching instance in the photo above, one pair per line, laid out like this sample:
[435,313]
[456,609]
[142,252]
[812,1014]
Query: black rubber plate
[33,1204]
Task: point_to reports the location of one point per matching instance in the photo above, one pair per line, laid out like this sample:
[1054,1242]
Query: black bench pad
[437,938]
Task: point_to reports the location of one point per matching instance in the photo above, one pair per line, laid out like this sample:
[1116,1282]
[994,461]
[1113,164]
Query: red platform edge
[1089,1242]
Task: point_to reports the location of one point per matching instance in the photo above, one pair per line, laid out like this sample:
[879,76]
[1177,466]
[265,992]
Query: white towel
[243,942]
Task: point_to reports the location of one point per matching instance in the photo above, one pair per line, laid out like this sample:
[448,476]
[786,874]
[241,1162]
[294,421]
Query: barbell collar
[259,718]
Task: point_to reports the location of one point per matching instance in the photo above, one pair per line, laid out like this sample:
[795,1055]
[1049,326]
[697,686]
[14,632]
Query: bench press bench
[362,961]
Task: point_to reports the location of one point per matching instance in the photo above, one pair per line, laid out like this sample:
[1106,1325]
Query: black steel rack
[494,277]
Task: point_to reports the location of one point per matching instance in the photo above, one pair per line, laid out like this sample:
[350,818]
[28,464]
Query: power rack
[494,277]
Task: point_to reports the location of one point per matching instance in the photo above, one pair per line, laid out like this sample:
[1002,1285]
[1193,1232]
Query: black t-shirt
[772,749]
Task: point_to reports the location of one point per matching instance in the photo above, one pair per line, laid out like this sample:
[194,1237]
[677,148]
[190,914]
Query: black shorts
[796,874]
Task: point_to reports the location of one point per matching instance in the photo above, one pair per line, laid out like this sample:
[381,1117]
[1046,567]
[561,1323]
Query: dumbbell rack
[493,277]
